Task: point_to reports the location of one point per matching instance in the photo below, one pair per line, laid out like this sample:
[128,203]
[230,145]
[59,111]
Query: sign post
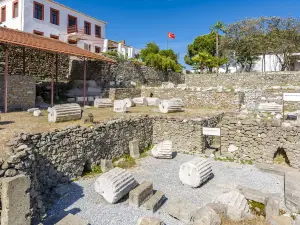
[289,97]
[213,132]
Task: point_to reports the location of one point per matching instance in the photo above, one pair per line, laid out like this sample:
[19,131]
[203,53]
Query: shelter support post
[24,60]
[6,79]
[56,75]
[52,81]
[84,82]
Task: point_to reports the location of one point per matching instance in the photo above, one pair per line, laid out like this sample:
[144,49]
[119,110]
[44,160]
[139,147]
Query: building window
[38,33]
[72,24]
[54,16]
[87,47]
[54,36]
[38,11]
[97,49]
[3,14]
[97,31]
[87,28]
[15,9]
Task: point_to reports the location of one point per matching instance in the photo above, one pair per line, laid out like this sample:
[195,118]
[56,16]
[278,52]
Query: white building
[51,19]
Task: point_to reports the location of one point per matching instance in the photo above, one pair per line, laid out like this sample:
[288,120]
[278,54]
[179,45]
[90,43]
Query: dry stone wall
[122,93]
[244,80]
[197,98]
[20,94]
[260,141]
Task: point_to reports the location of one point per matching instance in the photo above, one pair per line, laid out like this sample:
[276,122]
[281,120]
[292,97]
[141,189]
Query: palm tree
[219,26]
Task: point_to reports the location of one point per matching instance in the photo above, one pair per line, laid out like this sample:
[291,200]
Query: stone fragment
[280,220]
[140,101]
[134,149]
[37,113]
[120,106]
[141,194]
[71,219]
[162,150]
[256,195]
[10,173]
[292,191]
[153,101]
[129,102]
[172,105]
[32,110]
[236,203]
[115,184]
[181,210]
[87,118]
[232,148]
[155,202]
[15,201]
[102,103]
[271,208]
[167,85]
[195,172]
[106,165]
[149,221]
[219,208]
[64,112]
[206,216]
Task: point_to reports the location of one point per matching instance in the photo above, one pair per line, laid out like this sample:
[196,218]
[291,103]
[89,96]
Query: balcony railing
[72,29]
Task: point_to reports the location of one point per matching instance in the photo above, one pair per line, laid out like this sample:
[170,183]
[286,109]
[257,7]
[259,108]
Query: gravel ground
[83,201]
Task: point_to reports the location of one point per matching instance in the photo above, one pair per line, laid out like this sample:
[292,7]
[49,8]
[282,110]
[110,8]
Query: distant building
[51,19]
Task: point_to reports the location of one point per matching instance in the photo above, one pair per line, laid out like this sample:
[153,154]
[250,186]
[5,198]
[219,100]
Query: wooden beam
[6,79]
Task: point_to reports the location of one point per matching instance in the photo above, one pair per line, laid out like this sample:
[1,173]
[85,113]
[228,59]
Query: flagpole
[167,41]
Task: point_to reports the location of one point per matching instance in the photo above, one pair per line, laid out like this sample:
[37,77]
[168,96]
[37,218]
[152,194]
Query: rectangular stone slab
[141,194]
[155,202]
[257,195]
[292,191]
[71,219]
[15,201]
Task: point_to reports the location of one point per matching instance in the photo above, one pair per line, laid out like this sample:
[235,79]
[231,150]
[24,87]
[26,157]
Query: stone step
[155,202]
[141,194]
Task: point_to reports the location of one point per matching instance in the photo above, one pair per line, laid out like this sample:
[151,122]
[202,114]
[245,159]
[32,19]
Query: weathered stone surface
[256,195]
[155,202]
[120,106]
[134,149]
[15,201]
[149,221]
[219,208]
[106,165]
[232,148]
[271,208]
[270,107]
[129,102]
[153,101]
[195,172]
[115,184]
[140,101]
[71,219]
[292,191]
[280,220]
[32,110]
[172,105]
[64,112]
[37,113]
[162,150]
[236,203]
[102,103]
[206,216]
[141,194]
[181,210]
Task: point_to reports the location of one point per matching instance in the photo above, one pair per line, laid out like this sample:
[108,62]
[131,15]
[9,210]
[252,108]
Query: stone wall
[198,98]
[122,73]
[122,93]
[21,92]
[259,141]
[244,80]
[186,134]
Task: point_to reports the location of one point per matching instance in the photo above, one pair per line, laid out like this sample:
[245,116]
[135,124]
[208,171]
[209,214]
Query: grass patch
[125,161]
[224,159]
[96,170]
[282,212]
[145,153]
[249,162]
[257,208]
[256,221]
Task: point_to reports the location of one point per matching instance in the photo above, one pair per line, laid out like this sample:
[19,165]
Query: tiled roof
[15,37]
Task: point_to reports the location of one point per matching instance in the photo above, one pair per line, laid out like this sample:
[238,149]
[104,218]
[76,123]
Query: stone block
[134,149]
[32,110]
[149,221]
[181,210]
[64,112]
[153,101]
[172,105]
[115,184]
[15,201]
[195,172]
[219,208]
[71,219]
[155,202]
[280,220]
[140,101]
[129,102]
[102,103]
[292,191]
[271,208]
[141,194]
[256,195]
[120,106]
[206,216]
[106,165]
[37,113]
[162,150]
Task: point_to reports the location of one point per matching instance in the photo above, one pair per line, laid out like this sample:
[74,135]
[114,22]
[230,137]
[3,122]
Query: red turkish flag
[171,35]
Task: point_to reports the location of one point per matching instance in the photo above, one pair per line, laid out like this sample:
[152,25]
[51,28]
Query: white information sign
[291,97]
[211,131]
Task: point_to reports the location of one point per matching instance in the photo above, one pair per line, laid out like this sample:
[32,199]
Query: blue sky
[142,21]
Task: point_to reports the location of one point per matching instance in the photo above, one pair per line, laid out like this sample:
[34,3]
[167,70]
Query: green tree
[151,48]
[169,53]
[219,26]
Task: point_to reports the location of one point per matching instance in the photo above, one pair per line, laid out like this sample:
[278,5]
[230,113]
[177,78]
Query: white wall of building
[13,23]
